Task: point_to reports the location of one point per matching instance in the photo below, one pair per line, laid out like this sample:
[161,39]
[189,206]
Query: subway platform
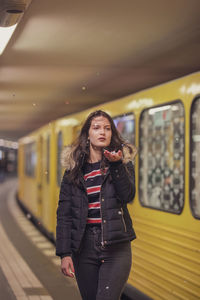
[29,269]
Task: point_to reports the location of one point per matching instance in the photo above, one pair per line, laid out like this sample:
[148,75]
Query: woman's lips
[102,139]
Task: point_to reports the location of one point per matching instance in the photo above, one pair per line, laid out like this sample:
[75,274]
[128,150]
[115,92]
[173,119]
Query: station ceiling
[67,55]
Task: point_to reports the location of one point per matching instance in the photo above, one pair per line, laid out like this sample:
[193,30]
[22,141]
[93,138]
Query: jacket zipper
[123,220]
[102,241]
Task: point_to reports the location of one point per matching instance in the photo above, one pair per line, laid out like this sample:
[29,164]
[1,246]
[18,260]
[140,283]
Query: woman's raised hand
[113,156]
[67,266]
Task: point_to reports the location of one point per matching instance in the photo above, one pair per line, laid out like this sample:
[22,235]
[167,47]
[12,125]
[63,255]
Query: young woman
[94,228]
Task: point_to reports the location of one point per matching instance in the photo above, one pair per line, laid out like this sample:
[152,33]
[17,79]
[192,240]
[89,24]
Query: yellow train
[164,123]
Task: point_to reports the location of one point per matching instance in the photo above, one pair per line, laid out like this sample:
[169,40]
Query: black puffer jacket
[118,189]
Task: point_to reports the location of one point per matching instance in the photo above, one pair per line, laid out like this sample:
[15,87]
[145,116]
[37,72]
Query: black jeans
[101,273]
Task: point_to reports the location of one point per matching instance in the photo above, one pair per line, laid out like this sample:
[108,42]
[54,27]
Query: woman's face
[100,132]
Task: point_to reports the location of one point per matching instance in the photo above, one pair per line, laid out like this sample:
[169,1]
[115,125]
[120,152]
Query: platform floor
[29,269]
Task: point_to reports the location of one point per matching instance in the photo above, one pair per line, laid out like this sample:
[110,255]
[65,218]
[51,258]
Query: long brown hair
[81,152]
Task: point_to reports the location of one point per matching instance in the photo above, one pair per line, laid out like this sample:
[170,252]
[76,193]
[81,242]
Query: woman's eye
[97,127]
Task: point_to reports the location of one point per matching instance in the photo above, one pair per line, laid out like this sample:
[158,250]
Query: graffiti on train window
[194,159]
[125,124]
[161,158]
[30,159]
[48,159]
[59,150]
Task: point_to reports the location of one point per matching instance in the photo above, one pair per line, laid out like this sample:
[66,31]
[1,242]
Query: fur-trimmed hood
[68,162]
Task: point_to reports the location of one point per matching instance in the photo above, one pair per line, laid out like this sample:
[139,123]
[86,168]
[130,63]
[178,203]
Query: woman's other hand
[113,156]
[67,266]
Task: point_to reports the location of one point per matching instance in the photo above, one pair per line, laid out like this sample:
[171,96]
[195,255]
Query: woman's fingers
[113,156]
[119,153]
[72,267]
[64,271]
[67,267]
[67,271]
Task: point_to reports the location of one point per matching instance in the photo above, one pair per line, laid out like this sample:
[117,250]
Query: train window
[30,159]
[125,124]
[48,159]
[194,159]
[11,166]
[161,158]
[59,150]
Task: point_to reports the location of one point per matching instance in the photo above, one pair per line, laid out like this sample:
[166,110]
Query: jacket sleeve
[64,219]
[123,177]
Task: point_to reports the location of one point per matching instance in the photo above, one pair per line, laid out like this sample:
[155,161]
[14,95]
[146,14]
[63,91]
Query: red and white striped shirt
[93,180]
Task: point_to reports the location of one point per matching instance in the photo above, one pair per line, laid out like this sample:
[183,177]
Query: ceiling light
[5,35]
[11,12]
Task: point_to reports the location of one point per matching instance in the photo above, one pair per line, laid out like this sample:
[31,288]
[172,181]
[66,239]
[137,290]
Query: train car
[8,159]
[164,124]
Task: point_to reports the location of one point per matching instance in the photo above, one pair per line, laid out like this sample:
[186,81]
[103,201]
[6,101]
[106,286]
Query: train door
[21,170]
[59,171]
[46,180]
[40,176]
[51,201]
